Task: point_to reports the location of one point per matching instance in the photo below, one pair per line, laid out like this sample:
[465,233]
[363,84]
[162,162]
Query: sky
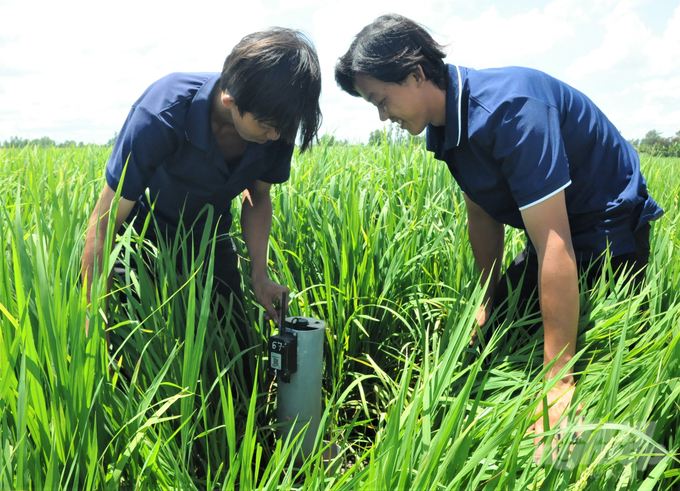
[71,69]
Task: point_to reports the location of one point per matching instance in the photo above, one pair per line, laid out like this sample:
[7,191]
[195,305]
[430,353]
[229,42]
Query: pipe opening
[300,324]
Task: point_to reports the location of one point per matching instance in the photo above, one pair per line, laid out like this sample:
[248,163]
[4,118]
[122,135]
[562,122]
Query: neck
[437,103]
[220,116]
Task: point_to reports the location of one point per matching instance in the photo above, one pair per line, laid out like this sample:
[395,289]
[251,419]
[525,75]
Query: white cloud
[634,73]
[624,42]
[71,69]
[491,40]
[631,45]
[90,64]
[664,52]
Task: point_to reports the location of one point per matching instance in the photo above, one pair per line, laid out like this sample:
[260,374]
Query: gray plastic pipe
[301,398]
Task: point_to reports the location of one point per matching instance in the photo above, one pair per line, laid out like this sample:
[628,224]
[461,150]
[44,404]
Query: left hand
[559,401]
[483,315]
[267,292]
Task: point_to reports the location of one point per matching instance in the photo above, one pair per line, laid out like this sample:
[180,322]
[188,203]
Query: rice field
[372,240]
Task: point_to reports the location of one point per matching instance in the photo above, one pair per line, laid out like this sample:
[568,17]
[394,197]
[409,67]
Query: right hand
[267,293]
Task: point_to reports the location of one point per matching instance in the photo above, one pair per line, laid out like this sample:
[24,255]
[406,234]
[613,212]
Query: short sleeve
[144,142]
[279,154]
[526,139]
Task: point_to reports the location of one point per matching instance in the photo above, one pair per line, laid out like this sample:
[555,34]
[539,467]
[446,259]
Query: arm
[487,239]
[256,223]
[96,236]
[548,228]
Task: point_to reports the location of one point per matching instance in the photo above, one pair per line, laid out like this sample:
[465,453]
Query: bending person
[528,151]
[197,139]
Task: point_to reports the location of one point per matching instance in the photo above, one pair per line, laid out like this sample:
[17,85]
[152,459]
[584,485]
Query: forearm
[93,250]
[487,240]
[92,255]
[95,238]
[487,248]
[559,298]
[256,223]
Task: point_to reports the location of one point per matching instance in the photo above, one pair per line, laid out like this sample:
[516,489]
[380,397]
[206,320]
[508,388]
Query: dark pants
[227,290]
[523,274]
[230,303]
[227,296]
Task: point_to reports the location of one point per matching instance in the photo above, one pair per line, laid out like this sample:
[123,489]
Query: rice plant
[371,239]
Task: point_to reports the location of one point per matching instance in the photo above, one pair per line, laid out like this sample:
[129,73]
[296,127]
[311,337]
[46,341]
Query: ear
[228,100]
[419,76]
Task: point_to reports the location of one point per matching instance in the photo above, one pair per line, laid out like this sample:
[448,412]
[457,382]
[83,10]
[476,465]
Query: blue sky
[71,69]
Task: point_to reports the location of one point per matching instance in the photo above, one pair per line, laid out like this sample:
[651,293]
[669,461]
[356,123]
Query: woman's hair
[390,49]
[275,76]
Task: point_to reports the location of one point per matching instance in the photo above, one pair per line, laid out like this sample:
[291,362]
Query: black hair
[390,49]
[275,76]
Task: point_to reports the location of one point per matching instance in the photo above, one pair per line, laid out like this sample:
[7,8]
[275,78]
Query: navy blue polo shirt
[170,149]
[516,136]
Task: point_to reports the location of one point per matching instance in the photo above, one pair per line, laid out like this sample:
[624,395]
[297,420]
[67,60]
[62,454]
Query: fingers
[269,294]
[556,419]
[270,315]
[482,317]
[270,311]
[473,338]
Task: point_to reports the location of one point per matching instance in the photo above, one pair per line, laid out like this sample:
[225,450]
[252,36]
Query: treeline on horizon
[653,142]
[46,141]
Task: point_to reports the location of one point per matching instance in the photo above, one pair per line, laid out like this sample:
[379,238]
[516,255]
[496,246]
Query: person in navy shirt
[528,151]
[195,141]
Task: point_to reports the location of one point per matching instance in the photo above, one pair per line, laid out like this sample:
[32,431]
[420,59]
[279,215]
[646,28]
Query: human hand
[559,400]
[267,292]
[483,315]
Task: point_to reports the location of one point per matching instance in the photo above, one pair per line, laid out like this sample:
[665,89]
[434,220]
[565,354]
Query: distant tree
[675,140]
[654,138]
[15,142]
[46,141]
[327,140]
[112,141]
[396,135]
[375,138]
[393,134]
[655,144]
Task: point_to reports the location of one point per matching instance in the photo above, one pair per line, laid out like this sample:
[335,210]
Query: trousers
[522,274]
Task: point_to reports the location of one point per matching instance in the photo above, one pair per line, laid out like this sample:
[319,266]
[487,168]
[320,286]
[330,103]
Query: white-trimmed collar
[460,102]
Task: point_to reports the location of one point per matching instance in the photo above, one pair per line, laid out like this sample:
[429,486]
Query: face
[401,103]
[248,128]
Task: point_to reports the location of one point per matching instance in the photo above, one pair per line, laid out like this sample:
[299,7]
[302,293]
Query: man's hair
[275,76]
[390,49]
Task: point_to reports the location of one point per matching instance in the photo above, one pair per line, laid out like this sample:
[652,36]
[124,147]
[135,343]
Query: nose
[382,114]
[272,135]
